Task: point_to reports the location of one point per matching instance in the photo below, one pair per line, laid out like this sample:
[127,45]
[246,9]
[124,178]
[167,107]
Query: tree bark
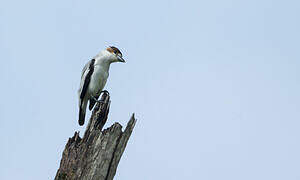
[97,154]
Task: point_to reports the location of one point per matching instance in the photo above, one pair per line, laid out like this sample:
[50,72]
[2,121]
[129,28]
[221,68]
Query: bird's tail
[81,117]
[82,109]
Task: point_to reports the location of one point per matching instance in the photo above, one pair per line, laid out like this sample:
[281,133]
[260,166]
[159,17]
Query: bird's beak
[121,59]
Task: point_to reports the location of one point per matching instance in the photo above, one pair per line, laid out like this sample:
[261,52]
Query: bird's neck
[104,64]
[103,60]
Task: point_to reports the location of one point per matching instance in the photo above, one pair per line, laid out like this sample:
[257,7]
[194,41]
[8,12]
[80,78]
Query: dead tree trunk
[97,154]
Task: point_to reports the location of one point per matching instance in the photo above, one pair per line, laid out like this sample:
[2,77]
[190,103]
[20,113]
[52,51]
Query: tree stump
[97,154]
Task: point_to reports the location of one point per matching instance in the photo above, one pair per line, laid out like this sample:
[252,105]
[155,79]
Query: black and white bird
[93,78]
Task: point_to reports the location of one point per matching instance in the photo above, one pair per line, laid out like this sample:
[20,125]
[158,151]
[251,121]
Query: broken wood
[97,154]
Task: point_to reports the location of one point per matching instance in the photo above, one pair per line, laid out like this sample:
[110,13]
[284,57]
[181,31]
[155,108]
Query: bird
[93,78]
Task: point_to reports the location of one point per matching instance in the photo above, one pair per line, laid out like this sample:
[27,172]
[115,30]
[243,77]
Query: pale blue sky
[214,85]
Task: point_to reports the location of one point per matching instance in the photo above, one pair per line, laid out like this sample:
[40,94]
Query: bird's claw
[104,91]
[99,101]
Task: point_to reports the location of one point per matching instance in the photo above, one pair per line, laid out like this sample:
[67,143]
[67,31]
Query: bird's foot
[104,91]
[99,101]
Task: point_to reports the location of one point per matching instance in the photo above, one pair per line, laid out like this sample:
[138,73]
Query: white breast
[98,80]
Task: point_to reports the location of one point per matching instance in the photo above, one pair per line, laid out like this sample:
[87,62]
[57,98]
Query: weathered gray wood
[121,147]
[97,154]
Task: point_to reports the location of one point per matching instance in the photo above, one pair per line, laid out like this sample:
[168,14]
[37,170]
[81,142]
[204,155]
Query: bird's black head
[116,52]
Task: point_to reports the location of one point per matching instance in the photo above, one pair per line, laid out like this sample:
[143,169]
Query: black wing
[87,79]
